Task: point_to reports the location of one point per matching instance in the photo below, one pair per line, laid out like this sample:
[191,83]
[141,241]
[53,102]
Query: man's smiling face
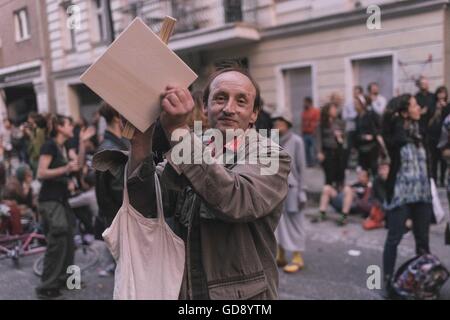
[231,102]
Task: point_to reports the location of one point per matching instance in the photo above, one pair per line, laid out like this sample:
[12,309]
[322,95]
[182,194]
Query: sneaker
[320,218]
[108,271]
[111,268]
[293,267]
[78,240]
[88,239]
[343,220]
[388,292]
[296,264]
[48,294]
[82,286]
[103,273]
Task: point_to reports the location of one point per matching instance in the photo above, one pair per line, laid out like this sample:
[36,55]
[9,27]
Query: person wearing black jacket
[109,186]
[408,189]
[367,133]
[426,100]
[434,126]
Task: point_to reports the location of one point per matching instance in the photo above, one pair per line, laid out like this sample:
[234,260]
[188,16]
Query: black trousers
[369,160]
[351,137]
[58,224]
[437,160]
[334,166]
[420,213]
[84,214]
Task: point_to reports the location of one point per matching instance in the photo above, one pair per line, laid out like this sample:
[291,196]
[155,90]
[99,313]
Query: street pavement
[336,260]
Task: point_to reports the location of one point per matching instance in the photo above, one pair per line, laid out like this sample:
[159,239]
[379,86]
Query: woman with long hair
[408,187]
[331,137]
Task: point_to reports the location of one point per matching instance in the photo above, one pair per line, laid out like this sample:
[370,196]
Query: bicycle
[17,246]
[85,255]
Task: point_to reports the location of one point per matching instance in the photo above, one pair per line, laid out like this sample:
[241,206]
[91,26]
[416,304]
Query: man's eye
[242,101]
[220,99]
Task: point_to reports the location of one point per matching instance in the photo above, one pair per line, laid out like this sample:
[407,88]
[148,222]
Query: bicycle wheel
[84,258]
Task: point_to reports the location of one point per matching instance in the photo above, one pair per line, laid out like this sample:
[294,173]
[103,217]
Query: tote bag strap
[126,199]
[159,203]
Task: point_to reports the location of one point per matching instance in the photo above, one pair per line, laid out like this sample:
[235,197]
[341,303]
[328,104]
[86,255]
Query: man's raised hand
[177,104]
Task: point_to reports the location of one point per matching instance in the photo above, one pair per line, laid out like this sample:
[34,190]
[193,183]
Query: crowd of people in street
[48,184]
[399,149]
[47,175]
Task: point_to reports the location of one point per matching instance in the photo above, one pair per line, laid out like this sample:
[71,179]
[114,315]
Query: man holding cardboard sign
[226,214]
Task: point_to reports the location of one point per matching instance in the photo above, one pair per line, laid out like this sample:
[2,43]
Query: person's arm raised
[177,104]
[141,147]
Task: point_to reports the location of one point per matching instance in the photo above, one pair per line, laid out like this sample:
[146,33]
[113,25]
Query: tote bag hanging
[150,257]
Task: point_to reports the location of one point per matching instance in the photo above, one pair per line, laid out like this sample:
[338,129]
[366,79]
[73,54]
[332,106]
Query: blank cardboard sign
[134,71]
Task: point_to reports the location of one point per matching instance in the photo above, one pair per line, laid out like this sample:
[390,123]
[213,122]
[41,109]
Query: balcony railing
[190,14]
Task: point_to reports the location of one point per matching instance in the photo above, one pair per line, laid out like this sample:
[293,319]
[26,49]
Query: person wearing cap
[290,232]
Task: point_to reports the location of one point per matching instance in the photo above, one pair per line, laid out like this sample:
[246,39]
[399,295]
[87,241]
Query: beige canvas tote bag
[150,257]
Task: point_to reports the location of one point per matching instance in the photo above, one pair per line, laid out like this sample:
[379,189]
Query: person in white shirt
[378,101]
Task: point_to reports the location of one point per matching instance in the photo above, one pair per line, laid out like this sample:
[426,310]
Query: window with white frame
[100,20]
[21,25]
[67,32]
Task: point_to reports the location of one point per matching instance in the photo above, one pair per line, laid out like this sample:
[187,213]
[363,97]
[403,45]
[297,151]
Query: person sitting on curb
[377,216]
[352,198]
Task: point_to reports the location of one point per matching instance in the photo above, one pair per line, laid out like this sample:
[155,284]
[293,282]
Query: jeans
[310,149]
[420,213]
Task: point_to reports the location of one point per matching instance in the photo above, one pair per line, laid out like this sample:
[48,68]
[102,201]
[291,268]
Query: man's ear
[254,117]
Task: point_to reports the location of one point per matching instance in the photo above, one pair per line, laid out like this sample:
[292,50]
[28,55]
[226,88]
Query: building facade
[25,80]
[293,48]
